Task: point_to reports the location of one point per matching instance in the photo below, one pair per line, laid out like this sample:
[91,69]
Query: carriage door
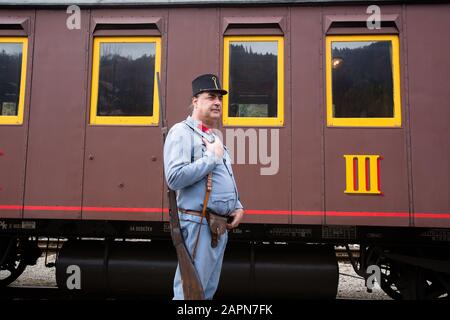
[123,162]
[366,162]
[16,47]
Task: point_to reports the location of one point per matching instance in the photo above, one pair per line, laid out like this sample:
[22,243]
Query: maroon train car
[337,120]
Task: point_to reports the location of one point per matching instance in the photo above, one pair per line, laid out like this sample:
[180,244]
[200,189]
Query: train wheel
[406,282]
[424,284]
[12,261]
[390,278]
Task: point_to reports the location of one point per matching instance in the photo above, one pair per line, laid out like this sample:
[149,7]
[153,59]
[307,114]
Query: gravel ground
[38,275]
[351,286]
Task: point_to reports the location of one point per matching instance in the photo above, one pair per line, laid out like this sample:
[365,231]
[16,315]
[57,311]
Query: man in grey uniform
[191,152]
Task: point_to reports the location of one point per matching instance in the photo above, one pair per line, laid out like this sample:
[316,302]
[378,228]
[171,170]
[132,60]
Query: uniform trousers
[208,260]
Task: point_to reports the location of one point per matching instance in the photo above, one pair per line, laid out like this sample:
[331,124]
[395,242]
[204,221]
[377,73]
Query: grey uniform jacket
[186,169]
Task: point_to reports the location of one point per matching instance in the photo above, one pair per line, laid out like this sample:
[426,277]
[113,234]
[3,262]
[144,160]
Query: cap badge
[215,83]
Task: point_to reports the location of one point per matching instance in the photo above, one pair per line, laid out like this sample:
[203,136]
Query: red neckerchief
[203,128]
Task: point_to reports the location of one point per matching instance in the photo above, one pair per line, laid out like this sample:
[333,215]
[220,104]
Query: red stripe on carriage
[247,211]
[51,208]
[368,214]
[115,209]
[5,207]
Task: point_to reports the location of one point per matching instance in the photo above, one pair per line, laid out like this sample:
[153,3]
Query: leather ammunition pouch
[217,226]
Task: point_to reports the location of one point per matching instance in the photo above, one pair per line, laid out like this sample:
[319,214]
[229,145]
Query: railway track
[342,254]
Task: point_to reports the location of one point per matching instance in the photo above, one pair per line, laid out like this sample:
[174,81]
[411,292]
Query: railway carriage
[337,121]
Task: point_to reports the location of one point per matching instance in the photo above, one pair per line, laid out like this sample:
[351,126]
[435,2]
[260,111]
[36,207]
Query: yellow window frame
[396,120]
[254,121]
[120,120]
[18,119]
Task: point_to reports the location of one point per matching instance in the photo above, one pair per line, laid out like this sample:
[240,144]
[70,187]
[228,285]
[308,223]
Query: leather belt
[195,213]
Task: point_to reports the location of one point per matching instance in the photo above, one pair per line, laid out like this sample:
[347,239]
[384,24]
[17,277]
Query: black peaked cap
[207,82]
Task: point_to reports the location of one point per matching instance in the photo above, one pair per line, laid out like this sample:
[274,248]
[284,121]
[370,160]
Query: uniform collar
[198,125]
[203,128]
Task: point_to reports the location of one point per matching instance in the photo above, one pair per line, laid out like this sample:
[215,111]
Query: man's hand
[237,215]
[216,147]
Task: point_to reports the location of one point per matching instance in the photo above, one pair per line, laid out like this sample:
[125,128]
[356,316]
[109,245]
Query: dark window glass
[10,74]
[362,79]
[126,79]
[253,79]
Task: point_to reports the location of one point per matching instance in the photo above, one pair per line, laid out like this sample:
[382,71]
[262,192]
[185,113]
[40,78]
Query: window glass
[253,79]
[362,79]
[126,80]
[10,78]
[124,87]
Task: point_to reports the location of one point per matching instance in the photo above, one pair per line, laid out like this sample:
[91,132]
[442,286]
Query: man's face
[208,106]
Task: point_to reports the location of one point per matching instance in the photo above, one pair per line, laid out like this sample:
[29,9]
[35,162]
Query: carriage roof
[185,2]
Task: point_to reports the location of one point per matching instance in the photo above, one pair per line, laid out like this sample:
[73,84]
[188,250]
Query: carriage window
[13,65]
[363,85]
[124,86]
[253,75]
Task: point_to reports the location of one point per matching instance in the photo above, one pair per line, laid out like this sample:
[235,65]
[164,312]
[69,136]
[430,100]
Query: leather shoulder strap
[192,140]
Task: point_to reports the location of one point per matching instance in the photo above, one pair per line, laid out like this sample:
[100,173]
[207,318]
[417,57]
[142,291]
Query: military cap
[207,82]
